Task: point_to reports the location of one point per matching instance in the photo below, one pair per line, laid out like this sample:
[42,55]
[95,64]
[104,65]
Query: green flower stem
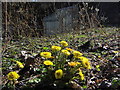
[62,62]
[55,54]
[13,84]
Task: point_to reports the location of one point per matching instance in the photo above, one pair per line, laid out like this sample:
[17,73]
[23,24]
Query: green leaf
[45,48]
[44,70]
[97,67]
[115,83]
[36,80]
[81,36]
[84,86]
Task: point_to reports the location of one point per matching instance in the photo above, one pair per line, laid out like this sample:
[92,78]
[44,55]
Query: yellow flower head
[58,74]
[56,48]
[12,76]
[73,63]
[64,43]
[81,75]
[69,49]
[85,62]
[48,62]
[77,54]
[20,65]
[66,52]
[45,54]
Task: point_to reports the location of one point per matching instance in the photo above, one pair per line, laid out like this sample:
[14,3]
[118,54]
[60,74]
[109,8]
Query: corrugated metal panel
[61,21]
[51,24]
[52,27]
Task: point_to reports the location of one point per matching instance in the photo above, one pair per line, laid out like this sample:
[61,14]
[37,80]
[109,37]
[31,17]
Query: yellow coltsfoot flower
[85,62]
[46,54]
[20,65]
[56,48]
[58,74]
[81,75]
[69,49]
[12,75]
[77,54]
[66,52]
[48,62]
[64,43]
[73,63]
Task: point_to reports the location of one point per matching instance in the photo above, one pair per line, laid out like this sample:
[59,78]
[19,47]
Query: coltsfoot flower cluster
[61,64]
